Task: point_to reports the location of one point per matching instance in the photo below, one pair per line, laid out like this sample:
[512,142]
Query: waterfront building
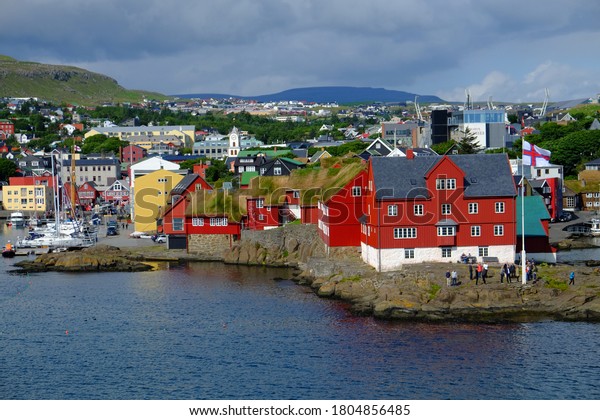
[420,209]
[117,192]
[30,197]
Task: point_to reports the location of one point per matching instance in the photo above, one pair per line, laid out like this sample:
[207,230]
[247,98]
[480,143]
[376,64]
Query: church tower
[234,142]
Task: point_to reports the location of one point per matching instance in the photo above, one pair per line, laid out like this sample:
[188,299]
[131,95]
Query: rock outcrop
[96,258]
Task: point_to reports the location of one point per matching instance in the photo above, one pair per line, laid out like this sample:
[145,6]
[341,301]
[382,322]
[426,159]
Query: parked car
[160,239]
[111,231]
[565,216]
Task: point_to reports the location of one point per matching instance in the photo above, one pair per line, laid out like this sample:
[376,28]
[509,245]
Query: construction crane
[545,104]
[490,104]
[418,110]
[469,101]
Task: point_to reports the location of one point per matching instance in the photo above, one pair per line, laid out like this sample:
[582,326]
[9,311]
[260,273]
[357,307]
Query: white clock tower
[234,142]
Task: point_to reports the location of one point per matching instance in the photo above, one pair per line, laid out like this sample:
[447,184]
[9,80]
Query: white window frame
[409,253]
[356,191]
[498,230]
[483,251]
[392,210]
[197,221]
[446,231]
[499,207]
[475,230]
[473,208]
[418,209]
[446,252]
[446,209]
[405,233]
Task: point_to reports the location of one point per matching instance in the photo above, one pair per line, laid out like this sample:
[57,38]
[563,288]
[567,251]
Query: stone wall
[210,247]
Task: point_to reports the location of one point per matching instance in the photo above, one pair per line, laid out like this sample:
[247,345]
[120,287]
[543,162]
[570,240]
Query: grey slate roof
[486,175]
[185,182]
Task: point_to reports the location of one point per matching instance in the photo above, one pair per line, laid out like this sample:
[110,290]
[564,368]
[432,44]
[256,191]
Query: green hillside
[63,84]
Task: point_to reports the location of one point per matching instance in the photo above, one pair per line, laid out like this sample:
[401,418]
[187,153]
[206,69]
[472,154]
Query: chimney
[410,154]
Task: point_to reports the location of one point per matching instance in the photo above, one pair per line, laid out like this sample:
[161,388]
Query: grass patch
[350,279]
[434,290]
[557,284]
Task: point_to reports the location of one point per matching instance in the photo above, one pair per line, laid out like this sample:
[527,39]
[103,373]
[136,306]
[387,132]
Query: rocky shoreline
[416,293]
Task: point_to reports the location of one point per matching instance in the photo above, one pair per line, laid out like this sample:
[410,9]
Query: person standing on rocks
[484,272]
[448,278]
[478,273]
[572,278]
[454,276]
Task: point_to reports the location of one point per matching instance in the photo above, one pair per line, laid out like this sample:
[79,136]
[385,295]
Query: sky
[506,50]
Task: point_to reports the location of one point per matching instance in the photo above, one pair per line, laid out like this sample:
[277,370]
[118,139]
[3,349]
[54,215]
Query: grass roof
[314,183]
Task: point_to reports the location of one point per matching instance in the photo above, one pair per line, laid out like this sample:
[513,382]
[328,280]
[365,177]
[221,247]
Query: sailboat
[64,233]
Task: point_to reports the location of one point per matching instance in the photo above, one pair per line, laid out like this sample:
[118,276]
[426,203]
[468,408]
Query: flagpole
[523,253]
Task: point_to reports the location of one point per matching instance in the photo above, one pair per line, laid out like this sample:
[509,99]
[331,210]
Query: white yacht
[16,219]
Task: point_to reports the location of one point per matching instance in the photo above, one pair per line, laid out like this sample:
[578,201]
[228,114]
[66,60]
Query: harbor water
[214,331]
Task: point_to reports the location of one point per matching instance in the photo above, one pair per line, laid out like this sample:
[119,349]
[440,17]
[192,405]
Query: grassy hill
[63,84]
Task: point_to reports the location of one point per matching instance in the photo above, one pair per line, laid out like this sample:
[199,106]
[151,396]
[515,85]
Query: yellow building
[185,133]
[150,197]
[31,198]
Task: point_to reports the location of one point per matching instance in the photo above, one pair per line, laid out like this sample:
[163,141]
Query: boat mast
[73,184]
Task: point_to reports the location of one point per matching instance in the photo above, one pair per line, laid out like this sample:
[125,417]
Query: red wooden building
[117,192]
[174,218]
[88,194]
[437,208]
[339,213]
[263,216]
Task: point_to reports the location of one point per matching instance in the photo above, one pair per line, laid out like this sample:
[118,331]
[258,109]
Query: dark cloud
[253,46]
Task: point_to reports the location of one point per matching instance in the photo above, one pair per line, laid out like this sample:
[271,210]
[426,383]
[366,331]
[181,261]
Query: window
[356,191]
[418,208]
[483,251]
[177,223]
[446,252]
[260,203]
[197,221]
[475,230]
[393,210]
[446,209]
[446,230]
[402,233]
[277,170]
[296,194]
[261,217]
[473,208]
[500,207]
[218,221]
[409,253]
[498,230]
[445,184]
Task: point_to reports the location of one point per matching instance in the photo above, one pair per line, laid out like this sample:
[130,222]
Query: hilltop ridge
[59,83]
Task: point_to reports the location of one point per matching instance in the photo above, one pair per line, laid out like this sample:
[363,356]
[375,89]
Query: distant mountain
[23,79]
[339,94]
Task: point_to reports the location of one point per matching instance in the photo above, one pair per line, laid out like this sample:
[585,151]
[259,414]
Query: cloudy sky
[511,50]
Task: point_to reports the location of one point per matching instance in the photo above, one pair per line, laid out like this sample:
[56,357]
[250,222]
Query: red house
[436,208]
[88,194]
[190,220]
[132,154]
[263,215]
[117,192]
[339,213]
[173,220]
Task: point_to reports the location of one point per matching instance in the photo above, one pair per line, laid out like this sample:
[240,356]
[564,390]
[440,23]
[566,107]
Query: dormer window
[445,184]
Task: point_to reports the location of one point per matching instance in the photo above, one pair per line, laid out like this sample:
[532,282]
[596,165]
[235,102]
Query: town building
[145,137]
[420,209]
[152,194]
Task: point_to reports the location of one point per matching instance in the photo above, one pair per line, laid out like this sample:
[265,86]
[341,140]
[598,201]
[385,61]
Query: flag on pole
[535,156]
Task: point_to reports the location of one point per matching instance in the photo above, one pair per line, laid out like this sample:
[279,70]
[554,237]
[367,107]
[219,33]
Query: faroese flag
[535,156]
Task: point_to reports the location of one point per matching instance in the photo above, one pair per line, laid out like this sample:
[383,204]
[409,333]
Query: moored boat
[16,219]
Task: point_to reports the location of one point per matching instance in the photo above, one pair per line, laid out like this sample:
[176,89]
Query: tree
[7,169]
[467,144]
